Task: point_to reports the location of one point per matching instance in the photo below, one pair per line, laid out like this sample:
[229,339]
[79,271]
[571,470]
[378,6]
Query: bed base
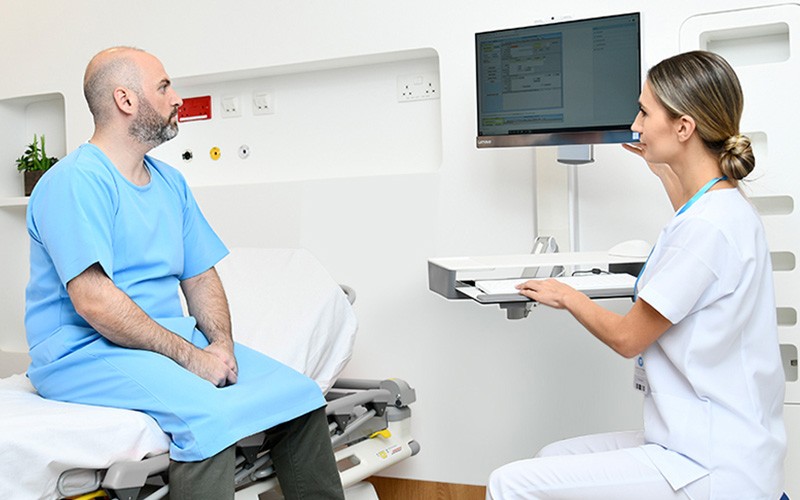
[370,427]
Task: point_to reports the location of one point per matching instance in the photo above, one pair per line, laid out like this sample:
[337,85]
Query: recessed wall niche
[773,205]
[749,45]
[318,120]
[23,117]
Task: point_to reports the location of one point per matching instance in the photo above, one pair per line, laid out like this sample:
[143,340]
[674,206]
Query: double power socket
[263,104]
[417,87]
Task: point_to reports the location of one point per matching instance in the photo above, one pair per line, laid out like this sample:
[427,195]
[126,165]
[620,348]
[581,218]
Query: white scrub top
[714,403]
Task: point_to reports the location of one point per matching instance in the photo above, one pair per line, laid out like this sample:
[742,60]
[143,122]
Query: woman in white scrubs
[702,329]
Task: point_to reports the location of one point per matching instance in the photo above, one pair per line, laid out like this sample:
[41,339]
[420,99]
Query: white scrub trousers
[608,466]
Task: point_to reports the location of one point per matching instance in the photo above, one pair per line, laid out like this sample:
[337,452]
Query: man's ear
[125,100]
[685,127]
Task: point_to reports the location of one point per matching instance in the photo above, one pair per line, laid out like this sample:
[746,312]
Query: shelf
[14,201]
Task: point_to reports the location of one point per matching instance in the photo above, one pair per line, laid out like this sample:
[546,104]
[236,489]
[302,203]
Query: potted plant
[34,163]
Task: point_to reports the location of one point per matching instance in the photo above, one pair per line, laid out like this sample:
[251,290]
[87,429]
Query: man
[113,234]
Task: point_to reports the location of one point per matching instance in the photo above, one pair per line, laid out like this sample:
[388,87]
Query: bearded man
[114,234]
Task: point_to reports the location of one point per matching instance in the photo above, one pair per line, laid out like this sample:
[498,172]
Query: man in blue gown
[114,234]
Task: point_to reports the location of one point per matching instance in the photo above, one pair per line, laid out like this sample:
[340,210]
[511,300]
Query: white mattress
[283,303]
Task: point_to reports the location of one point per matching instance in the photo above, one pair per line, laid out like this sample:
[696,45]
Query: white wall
[490,390]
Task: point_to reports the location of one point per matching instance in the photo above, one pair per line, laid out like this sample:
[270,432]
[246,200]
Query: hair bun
[737,158]
[736,144]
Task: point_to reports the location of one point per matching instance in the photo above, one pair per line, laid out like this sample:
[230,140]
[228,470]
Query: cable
[594,270]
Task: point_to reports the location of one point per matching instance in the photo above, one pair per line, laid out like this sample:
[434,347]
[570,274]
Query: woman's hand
[665,173]
[634,148]
[549,292]
[660,169]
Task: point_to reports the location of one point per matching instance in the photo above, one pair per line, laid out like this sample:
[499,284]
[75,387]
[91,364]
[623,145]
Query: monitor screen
[573,82]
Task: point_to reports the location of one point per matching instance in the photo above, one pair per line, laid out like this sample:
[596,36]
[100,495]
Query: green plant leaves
[35,158]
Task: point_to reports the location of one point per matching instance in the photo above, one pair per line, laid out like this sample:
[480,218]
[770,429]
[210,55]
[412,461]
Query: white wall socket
[263,103]
[417,87]
[231,106]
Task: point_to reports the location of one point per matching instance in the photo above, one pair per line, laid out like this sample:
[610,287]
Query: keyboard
[593,285]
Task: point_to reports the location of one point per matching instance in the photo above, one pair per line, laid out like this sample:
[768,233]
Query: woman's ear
[125,100]
[685,127]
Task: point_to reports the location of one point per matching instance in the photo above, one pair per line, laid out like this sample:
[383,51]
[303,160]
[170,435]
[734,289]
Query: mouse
[631,248]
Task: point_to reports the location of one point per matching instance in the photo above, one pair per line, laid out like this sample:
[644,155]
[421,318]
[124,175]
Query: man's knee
[209,478]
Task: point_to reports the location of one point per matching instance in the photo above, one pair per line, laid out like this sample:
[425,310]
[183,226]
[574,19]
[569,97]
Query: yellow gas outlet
[215,153]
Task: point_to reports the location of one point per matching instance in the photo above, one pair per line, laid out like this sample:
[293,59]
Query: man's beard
[150,128]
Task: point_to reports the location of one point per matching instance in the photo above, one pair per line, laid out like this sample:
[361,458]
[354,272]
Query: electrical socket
[263,103]
[417,87]
[231,107]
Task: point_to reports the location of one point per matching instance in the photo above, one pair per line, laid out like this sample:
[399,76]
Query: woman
[702,327]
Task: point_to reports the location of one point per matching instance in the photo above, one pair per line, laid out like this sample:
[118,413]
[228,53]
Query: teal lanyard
[697,195]
[692,200]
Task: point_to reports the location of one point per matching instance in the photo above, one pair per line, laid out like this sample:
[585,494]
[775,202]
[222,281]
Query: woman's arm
[628,334]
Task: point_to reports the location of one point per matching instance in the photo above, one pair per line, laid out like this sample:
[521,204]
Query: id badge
[640,376]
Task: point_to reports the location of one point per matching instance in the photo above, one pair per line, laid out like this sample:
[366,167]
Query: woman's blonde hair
[704,86]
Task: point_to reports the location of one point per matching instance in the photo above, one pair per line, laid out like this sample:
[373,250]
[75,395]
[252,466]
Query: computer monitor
[571,82]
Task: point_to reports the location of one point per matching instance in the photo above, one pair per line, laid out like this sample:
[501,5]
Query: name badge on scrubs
[640,376]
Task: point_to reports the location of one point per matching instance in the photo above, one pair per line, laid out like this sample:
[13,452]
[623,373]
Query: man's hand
[205,298]
[224,352]
[210,365]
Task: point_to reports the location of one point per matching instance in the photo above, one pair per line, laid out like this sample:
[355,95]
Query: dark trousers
[301,453]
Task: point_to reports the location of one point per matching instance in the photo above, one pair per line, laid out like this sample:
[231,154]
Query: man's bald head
[108,70]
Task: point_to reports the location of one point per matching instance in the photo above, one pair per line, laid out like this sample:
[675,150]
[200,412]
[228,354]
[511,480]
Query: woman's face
[657,129]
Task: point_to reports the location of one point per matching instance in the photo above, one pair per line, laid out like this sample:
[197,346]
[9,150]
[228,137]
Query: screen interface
[577,75]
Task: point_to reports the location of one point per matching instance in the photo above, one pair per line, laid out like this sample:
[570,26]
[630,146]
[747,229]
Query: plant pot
[31,178]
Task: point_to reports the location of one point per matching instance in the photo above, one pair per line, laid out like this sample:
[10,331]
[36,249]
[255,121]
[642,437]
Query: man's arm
[205,297]
[119,319]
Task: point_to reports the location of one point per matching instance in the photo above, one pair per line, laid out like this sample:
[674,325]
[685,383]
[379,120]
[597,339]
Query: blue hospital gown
[147,239]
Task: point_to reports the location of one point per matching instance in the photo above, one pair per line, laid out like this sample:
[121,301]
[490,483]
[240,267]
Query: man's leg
[210,479]
[303,457]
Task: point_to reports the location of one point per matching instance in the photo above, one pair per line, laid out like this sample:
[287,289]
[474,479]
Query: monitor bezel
[606,134]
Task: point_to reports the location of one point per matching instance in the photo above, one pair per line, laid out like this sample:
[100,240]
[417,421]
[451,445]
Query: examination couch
[284,304]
